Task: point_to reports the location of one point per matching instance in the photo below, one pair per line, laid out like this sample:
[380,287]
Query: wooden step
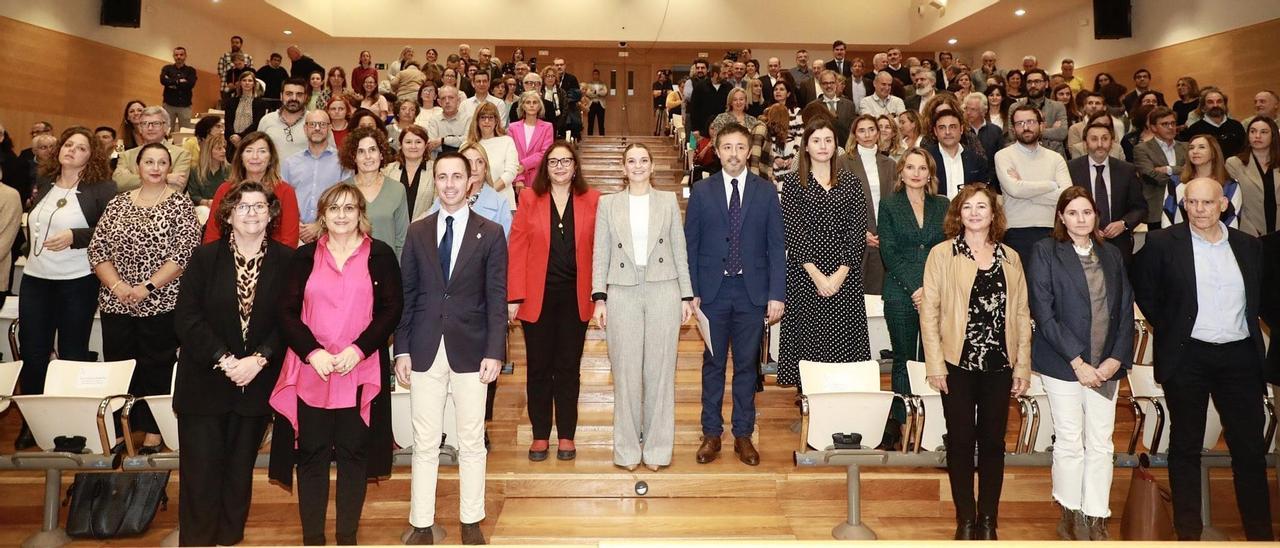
[646,520]
[602,434]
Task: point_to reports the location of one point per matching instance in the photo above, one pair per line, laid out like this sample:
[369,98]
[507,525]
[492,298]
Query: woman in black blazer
[1082,303]
[231,354]
[243,109]
[59,292]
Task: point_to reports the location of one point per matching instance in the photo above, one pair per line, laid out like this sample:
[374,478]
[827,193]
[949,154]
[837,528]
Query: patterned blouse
[984,341]
[138,241]
[247,270]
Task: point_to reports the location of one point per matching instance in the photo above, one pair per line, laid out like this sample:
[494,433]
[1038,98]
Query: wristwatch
[151,288]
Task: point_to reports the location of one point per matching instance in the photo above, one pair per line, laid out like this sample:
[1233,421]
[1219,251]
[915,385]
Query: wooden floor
[590,501]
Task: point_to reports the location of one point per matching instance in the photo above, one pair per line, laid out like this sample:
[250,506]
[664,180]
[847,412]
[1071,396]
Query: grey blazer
[613,261]
[1253,218]
[1148,156]
[872,265]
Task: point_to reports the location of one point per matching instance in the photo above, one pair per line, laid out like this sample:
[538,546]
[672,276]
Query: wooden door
[615,102]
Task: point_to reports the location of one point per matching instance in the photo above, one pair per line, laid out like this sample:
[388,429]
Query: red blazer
[530,249]
[286,232]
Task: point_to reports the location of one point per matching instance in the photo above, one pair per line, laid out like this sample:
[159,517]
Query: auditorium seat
[402,426]
[1147,399]
[8,380]
[161,406]
[842,398]
[931,421]
[1035,433]
[78,396]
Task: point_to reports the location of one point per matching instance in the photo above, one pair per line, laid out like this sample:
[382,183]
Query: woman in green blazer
[910,225]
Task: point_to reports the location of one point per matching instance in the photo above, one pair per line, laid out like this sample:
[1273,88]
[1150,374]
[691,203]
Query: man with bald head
[300,65]
[1199,283]
[772,75]
[882,101]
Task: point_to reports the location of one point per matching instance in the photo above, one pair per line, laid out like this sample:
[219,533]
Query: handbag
[115,504]
[1148,512]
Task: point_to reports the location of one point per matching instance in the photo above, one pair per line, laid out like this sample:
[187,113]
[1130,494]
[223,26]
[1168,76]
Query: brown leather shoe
[420,536]
[746,452]
[709,450]
[471,534]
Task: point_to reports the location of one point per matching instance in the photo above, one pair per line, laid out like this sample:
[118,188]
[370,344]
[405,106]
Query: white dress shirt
[1219,291]
[1170,153]
[953,167]
[1106,181]
[470,105]
[728,188]
[459,228]
[639,206]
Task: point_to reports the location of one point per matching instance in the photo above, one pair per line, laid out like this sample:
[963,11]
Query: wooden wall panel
[67,80]
[1241,62]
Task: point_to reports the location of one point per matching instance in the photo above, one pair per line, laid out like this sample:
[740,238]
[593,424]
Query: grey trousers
[179,117]
[643,329]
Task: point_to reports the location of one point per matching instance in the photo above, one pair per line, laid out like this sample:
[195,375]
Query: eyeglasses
[148,124]
[288,134]
[559,162]
[317,125]
[1167,124]
[244,209]
[335,209]
[1026,123]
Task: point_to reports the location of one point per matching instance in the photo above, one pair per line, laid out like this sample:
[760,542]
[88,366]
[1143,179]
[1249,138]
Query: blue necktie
[734,264]
[446,248]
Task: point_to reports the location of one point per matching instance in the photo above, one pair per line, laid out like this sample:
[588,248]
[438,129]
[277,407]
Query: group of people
[324,243]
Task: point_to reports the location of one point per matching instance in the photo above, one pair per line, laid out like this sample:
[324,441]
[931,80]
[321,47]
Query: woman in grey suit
[1256,170]
[641,269]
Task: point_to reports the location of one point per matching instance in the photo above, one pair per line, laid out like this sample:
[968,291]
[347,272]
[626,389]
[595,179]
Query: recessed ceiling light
[952,41]
[288,32]
[1019,12]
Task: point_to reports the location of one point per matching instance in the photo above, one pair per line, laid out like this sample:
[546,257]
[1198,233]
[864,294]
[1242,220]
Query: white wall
[164,25]
[1156,24]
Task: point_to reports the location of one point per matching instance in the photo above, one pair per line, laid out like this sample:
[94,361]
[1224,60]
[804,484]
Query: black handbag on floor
[115,504]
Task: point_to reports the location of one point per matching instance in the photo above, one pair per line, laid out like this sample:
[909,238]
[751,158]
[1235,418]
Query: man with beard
[1053,132]
[924,89]
[1217,122]
[707,101]
[1031,177]
[224,64]
[1115,184]
[313,171]
[284,126]
[801,71]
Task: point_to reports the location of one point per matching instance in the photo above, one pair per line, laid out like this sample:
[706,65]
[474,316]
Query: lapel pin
[477,235]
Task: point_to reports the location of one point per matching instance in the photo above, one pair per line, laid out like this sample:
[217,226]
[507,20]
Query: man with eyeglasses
[841,108]
[1158,159]
[1053,130]
[155,127]
[1031,177]
[312,171]
[284,126]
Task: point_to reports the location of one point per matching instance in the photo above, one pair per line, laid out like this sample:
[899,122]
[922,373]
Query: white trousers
[427,393]
[1083,450]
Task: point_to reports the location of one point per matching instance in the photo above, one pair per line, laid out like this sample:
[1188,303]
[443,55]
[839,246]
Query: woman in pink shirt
[341,303]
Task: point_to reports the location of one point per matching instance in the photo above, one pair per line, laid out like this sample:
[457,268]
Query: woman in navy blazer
[1082,303]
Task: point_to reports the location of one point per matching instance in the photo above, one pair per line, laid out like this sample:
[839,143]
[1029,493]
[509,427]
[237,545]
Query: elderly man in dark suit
[1116,187]
[733,232]
[1199,283]
[957,166]
[451,342]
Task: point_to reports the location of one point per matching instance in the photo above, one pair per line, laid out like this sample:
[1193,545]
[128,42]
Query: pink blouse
[337,306]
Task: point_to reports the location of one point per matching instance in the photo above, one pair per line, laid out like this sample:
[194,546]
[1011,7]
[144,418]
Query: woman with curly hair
[365,153]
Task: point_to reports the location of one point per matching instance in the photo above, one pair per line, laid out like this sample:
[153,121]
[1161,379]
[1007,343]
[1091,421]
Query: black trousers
[1023,239]
[988,394]
[216,466]
[595,115]
[1232,375]
[49,310]
[153,342]
[553,345]
[342,435]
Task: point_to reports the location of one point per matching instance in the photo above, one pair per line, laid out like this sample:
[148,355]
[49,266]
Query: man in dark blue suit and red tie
[733,230]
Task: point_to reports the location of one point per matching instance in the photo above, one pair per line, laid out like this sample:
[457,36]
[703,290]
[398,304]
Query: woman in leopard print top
[139,249]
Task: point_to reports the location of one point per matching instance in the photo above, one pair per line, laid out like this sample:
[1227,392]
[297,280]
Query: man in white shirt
[448,131]
[480,82]
[882,102]
[773,76]
[956,165]
[1031,177]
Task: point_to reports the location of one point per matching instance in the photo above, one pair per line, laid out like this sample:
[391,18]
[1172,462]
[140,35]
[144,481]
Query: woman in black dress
[825,222]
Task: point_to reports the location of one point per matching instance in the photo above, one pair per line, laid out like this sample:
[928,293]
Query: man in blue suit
[733,230]
[956,165]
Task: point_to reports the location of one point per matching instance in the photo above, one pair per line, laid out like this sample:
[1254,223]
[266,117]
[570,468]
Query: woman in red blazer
[549,291]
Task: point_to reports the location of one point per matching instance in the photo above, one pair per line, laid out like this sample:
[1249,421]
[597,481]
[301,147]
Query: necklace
[160,196]
[48,221]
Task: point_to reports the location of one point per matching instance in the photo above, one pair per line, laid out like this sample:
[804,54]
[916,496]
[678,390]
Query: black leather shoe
[420,536]
[566,450]
[471,534]
[964,530]
[538,450]
[150,449]
[119,449]
[986,528]
[486,439]
[25,439]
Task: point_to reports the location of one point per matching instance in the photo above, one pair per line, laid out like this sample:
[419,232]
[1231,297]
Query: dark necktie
[1101,198]
[446,248]
[734,263]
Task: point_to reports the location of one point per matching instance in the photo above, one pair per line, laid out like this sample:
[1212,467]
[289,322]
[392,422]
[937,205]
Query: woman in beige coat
[640,269]
[975,324]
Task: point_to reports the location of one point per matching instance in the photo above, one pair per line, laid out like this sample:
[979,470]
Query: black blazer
[847,72]
[260,108]
[991,137]
[976,169]
[384,272]
[1164,285]
[1059,298]
[1270,310]
[1126,200]
[470,311]
[207,320]
[705,103]
[93,198]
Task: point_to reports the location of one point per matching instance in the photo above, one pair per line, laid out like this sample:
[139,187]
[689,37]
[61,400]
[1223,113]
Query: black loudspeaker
[122,13]
[1112,19]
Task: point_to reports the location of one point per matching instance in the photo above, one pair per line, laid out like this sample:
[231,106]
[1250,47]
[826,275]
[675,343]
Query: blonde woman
[504,162]
[210,172]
